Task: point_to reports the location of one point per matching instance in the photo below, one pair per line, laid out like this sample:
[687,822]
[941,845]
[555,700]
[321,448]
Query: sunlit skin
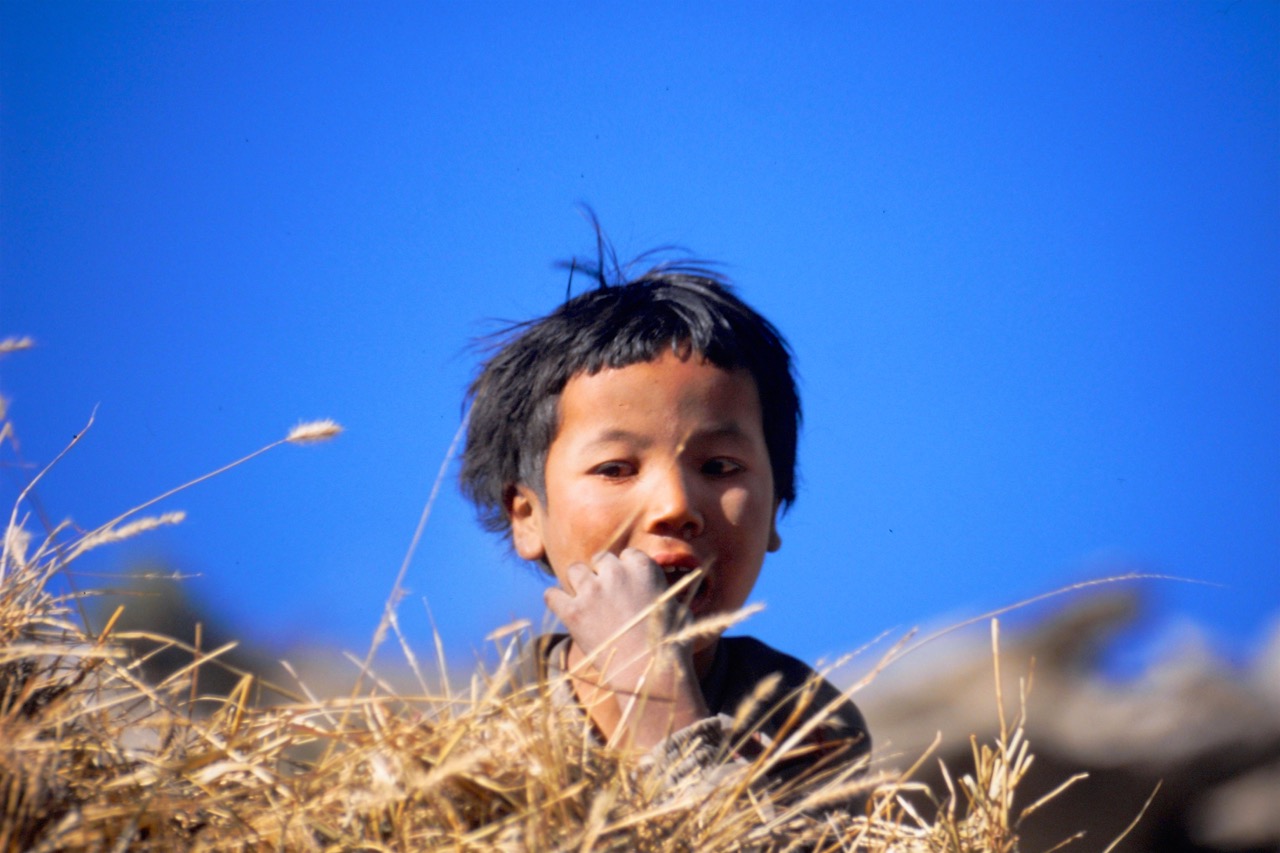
[657,469]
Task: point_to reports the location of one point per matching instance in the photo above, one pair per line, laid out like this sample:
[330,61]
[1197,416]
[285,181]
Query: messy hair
[686,308]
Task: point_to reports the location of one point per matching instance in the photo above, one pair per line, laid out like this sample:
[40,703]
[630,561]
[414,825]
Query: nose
[673,508]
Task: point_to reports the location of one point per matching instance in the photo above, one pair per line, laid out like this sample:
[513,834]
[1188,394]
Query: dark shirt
[751,717]
[741,665]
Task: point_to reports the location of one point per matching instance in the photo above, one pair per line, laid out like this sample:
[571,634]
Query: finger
[640,566]
[558,602]
[638,560]
[574,577]
[604,561]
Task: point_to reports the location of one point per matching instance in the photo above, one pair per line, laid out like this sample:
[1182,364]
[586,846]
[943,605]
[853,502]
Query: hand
[598,600]
[633,679]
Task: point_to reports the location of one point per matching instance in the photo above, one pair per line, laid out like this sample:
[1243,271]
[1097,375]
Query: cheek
[750,517]
[581,522]
[744,508]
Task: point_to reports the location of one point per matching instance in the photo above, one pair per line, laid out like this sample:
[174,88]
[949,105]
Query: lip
[673,560]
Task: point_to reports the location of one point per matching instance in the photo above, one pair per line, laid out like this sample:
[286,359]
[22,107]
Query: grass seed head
[311,432]
[13,344]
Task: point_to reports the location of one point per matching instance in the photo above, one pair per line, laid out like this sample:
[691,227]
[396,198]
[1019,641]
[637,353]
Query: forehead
[668,392]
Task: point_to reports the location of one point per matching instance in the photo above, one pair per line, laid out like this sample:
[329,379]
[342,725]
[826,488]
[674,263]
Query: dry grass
[93,757]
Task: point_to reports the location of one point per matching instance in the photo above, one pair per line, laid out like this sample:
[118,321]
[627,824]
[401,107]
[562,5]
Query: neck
[600,703]
[676,700]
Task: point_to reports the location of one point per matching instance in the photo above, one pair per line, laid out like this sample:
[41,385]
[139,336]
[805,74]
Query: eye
[721,466]
[614,469]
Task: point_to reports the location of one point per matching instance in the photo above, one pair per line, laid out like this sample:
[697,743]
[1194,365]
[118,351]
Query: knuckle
[605,561]
[637,560]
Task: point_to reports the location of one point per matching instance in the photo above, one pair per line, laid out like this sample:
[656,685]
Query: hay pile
[94,758]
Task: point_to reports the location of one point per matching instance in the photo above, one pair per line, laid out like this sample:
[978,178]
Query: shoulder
[799,693]
[748,655]
[750,661]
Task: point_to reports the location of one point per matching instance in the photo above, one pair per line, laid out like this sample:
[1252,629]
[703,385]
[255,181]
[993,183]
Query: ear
[525,512]
[775,541]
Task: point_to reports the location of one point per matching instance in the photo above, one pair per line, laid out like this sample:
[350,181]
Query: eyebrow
[727,429]
[617,434]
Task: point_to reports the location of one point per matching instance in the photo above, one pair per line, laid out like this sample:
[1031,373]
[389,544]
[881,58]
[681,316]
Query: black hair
[686,308]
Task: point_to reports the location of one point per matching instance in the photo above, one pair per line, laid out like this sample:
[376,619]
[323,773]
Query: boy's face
[667,457]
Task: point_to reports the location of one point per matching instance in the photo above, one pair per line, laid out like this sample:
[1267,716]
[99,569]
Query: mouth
[678,567]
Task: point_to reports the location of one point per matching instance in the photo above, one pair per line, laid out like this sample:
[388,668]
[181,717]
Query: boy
[638,442]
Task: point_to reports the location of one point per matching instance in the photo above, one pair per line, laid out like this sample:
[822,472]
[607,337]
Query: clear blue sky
[1028,255]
